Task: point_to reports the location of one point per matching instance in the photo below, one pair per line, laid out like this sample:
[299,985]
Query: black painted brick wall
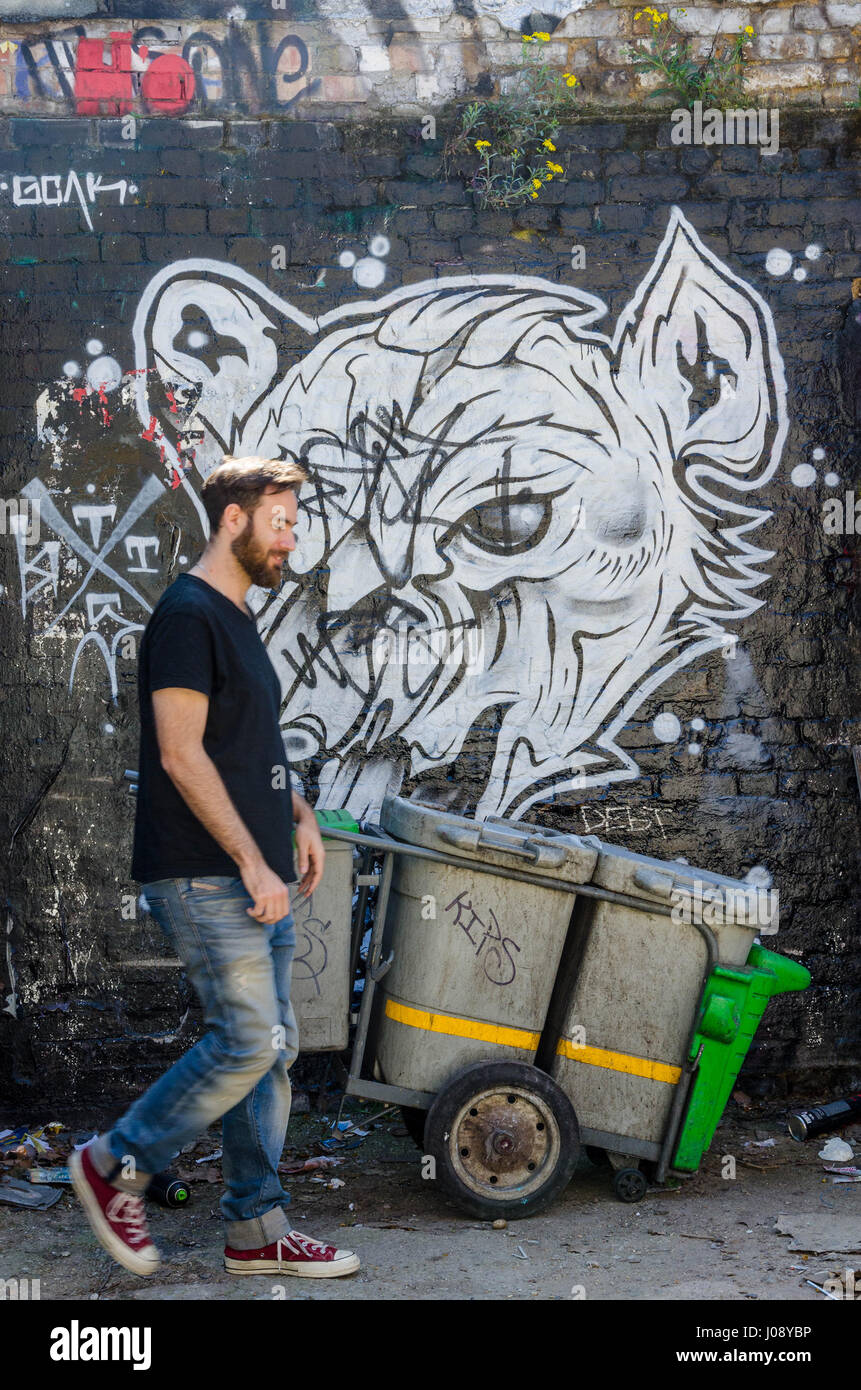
[89,1031]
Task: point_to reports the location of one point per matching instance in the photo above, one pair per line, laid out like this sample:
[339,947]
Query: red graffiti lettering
[99,85]
[168,84]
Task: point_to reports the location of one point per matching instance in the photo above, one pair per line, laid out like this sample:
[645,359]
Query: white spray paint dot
[91,487]
[183,559]
[698,725]
[819,454]
[94,347]
[803,474]
[369,272]
[759,876]
[71,369]
[695,749]
[832,479]
[666,727]
[347,259]
[380,246]
[799,273]
[108,728]
[133,188]
[196,339]
[106,372]
[778,261]
[813,252]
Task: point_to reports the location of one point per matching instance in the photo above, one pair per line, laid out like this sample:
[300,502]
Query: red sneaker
[293,1254]
[117,1218]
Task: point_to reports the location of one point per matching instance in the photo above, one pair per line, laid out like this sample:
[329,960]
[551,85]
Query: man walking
[213,851]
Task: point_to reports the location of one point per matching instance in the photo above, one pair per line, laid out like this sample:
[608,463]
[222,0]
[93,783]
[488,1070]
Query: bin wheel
[597,1156]
[414,1121]
[505,1138]
[630,1185]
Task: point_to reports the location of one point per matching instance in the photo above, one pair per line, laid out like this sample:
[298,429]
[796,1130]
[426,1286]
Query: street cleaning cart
[527,992]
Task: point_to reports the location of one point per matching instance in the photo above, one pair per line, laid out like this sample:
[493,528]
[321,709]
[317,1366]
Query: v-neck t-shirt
[198,639]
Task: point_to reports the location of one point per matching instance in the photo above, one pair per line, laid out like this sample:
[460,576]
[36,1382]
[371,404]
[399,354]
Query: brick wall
[410,59]
[738,759]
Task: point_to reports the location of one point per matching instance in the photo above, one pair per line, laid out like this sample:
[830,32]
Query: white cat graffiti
[483,460]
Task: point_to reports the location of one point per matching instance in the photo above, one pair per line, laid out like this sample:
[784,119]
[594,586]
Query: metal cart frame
[374,841]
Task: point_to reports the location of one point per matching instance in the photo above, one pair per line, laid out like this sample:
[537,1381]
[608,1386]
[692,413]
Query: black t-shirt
[198,639]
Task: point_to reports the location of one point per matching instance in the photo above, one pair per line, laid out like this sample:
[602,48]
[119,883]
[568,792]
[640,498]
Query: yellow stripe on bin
[619,1061]
[462,1027]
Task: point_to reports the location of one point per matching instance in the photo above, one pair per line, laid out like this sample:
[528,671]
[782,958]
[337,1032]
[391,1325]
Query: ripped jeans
[241,971]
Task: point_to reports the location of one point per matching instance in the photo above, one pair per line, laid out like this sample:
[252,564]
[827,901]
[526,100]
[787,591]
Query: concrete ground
[708,1238]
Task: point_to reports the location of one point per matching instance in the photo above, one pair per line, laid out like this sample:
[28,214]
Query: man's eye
[507,525]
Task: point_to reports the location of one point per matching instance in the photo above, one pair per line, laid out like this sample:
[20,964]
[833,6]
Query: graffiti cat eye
[507,525]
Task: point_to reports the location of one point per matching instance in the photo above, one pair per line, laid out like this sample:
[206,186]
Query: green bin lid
[337,820]
[789,975]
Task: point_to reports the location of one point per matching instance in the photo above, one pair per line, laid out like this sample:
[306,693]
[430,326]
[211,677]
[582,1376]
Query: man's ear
[699,343]
[209,340]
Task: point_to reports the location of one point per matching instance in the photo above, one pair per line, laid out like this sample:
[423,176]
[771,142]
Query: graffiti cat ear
[207,338]
[690,316]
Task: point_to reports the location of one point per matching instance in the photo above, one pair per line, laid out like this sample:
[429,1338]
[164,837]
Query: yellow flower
[570,79]
[638,15]
[549,145]
[533,195]
[554,168]
[482,144]
[527,38]
[536,183]
[539,34]
[749,29]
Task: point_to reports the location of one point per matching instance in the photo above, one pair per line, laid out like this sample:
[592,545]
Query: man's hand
[310,854]
[271,898]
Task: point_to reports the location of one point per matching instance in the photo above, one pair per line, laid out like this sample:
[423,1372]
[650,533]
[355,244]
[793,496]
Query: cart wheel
[414,1119]
[597,1156]
[630,1185]
[505,1138]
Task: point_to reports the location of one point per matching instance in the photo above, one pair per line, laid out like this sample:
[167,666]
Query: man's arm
[180,721]
[310,854]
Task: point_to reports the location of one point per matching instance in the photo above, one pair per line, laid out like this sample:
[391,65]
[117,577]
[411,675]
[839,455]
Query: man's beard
[254,559]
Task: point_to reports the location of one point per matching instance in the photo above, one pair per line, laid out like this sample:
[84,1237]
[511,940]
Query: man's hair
[244,481]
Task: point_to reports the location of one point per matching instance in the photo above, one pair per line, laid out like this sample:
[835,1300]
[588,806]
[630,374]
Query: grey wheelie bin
[476,955]
[626,994]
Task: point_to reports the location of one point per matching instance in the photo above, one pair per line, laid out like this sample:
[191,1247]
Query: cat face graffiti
[555,519]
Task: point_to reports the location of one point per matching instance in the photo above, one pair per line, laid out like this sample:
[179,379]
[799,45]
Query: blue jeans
[241,972]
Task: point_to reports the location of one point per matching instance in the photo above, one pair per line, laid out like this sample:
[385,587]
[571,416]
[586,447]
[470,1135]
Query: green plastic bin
[733,1004]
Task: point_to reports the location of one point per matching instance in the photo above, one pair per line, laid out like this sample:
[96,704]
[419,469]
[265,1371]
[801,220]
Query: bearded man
[213,851]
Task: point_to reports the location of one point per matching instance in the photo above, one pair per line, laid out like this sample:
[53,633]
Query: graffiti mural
[151,71]
[513,521]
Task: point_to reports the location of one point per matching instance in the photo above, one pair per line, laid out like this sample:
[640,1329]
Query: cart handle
[464,837]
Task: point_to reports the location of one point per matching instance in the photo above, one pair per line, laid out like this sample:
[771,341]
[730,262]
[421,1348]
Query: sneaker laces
[312,1248]
[125,1207]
